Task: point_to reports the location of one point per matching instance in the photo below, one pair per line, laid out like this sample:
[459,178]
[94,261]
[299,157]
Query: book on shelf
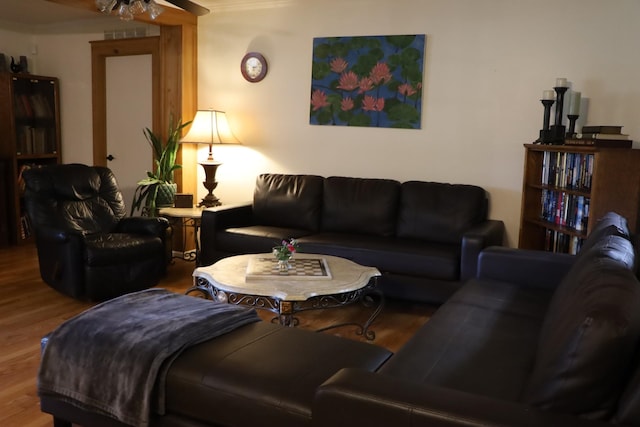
[614,143]
[567,170]
[602,129]
[565,209]
[556,241]
[602,136]
[40,106]
[28,109]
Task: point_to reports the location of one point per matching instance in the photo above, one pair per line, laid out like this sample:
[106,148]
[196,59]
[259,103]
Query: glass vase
[283,266]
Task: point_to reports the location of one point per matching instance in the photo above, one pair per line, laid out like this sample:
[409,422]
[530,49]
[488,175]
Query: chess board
[301,269]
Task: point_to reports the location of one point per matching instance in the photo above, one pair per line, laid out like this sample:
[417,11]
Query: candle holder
[572,125]
[558,130]
[545,135]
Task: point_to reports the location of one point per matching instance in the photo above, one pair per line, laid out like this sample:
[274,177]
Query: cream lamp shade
[210,127]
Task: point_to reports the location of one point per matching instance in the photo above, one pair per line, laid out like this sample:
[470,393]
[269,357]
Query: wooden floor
[29,309]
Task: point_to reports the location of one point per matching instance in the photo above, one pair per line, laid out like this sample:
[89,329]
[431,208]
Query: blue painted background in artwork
[372,81]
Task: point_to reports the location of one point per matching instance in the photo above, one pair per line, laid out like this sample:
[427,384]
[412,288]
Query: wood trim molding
[100,51]
[170,16]
[189,106]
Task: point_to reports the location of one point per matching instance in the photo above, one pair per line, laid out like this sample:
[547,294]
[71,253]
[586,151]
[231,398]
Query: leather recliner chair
[87,248]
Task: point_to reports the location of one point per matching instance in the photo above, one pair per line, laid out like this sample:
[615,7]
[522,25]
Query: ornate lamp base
[210,184]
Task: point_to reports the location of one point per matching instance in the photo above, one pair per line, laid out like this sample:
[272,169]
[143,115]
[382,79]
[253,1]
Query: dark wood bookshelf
[614,186]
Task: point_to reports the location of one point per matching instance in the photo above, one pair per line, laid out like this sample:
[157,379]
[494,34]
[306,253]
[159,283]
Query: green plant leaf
[165,155]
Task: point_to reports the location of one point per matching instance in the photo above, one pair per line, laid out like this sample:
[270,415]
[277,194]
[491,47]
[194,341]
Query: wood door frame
[100,51]
[174,89]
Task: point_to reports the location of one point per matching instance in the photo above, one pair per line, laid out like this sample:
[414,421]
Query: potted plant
[158,189]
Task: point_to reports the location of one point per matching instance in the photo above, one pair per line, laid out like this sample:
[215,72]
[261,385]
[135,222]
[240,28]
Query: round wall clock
[253,67]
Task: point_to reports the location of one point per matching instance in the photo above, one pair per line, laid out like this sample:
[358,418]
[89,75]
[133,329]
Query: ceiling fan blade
[190,6]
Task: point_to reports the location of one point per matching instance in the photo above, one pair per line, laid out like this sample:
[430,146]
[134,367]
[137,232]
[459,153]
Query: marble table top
[230,275]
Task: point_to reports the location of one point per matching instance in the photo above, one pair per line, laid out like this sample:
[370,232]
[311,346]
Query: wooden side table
[185,218]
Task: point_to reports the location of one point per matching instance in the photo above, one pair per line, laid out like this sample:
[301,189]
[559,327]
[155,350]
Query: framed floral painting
[371,81]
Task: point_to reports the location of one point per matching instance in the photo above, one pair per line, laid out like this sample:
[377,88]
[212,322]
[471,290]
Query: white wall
[487,63]
[74,71]
[14,44]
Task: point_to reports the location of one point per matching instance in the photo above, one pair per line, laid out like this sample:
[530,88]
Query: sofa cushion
[628,412]
[261,374]
[606,243]
[439,212]
[406,256]
[292,201]
[588,340]
[481,341]
[120,248]
[360,205]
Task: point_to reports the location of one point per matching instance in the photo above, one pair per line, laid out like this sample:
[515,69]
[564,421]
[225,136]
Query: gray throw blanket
[109,358]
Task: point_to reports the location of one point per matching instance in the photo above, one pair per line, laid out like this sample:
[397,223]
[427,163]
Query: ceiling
[39,12]
[42,12]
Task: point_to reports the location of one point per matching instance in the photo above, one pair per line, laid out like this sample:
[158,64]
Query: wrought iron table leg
[367,299]
[363,329]
[203,286]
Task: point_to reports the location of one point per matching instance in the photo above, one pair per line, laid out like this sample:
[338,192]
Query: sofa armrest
[148,226]
[356,397]
[524,267]
[225,216]
[474,240]
[220,218]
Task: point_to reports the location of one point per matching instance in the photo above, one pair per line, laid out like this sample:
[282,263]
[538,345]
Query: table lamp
[210,127]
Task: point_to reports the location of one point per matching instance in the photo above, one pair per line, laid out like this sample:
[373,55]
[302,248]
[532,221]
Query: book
[602,129]
[602,136]
[613,143]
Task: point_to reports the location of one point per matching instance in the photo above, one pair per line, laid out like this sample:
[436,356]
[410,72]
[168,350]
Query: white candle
[548,94]
[561,82]
[574,108]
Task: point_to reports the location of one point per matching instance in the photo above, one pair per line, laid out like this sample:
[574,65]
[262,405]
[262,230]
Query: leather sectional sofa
[424,237]
[536,339]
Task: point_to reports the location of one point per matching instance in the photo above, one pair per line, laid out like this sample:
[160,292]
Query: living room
[486,66]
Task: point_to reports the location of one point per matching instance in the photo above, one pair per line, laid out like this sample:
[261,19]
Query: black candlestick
[560,91]
[545,136]
[572,125]
[557,130]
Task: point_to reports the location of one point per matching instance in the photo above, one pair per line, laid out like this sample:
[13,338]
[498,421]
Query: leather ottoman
[261,375]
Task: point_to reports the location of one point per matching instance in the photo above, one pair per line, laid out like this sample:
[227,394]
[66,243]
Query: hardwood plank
[29,309]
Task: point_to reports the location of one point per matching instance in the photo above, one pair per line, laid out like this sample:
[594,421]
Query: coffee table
[287,294]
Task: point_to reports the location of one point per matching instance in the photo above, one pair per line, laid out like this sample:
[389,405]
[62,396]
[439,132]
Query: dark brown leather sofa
[536,339]
[424,237]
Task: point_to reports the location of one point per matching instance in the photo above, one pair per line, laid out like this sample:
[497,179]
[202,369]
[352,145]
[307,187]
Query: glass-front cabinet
[30,130]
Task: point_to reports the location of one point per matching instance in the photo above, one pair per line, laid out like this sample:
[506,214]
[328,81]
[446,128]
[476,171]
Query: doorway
[129,94]
[125,67]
